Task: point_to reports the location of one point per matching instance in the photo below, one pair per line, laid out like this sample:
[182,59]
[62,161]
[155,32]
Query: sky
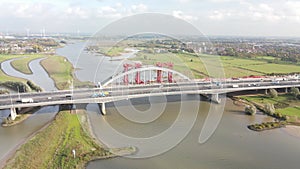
[211,17]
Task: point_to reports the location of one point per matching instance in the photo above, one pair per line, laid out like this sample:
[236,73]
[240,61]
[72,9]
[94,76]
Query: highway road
[121,91]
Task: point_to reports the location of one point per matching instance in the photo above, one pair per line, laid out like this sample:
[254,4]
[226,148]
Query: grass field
[268,68]
[60,70]
[52,148]
[292,110]
[112,51]
[232,67]
[265,57]
[22,64]
[3,76]
[263,99]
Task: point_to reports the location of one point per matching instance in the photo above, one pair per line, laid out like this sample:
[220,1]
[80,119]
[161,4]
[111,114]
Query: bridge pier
[215,98]
[102,108]
[286,90]
[13,113]
[266,91]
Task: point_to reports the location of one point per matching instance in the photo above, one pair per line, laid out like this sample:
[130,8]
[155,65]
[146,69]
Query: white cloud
[265,12]
[119,10]
[109,12]
[77,11]
[184,1]
[251,12]
[219,15]
[181,15]
[25,10]
[139,8]
[292,10]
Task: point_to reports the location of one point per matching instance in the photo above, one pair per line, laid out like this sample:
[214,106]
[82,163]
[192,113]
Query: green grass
[22,64]
[112,51]
[262,99]
[115,51]
[184,62]
[290,111]
[265,57]
[4,77]
[233,61]
[259,99]
[181,62]
[274,68]
[231,66]
[52,148]
[60,70]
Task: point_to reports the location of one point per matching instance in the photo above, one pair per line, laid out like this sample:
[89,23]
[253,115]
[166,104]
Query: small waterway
[39,76]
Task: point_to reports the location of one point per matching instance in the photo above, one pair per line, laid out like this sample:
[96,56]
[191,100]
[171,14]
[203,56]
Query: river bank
[292,130]
[22,64]
[22,116]
[64,134]
[282,114]
[13,151]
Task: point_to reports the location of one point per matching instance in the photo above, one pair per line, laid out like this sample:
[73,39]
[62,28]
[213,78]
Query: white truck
[26,100]
[235,86]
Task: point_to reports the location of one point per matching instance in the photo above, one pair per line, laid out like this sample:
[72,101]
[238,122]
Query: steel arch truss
[150,69]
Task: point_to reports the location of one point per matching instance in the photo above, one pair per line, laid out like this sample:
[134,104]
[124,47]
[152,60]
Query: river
[11,137]
[89,66]
[232,146]
[39,76]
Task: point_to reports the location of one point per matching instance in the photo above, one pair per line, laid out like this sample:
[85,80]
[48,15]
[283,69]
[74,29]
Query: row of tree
[270,108]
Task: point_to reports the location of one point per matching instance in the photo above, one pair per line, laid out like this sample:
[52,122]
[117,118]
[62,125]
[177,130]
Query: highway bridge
[118,92]
[127,92]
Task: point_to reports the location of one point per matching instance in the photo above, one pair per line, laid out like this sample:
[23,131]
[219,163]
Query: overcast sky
[212,17]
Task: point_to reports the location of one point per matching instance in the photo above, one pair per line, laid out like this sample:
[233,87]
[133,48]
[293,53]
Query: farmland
[232,66]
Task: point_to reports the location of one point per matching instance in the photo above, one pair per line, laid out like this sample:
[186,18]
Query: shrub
[250,109]
[34,86]
[294,92]
[273,93]
[17,86]
[269,109]
[4,91]
[281,105]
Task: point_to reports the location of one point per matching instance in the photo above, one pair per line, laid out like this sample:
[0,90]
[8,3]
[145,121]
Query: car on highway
[25,100]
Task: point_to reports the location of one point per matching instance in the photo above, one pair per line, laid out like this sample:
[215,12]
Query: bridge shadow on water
[157,99]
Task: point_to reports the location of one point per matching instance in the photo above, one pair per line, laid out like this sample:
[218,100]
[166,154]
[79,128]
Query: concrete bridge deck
[126,92]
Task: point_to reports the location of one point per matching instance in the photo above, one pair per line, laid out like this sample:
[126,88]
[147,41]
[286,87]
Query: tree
[37,48]
[250,109]
[269,108]
[294,92]
[273,93]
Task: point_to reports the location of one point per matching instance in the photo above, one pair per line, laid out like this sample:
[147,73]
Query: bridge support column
[266,91]
[13,113]
[286,90]
[102,108]
[215,98]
